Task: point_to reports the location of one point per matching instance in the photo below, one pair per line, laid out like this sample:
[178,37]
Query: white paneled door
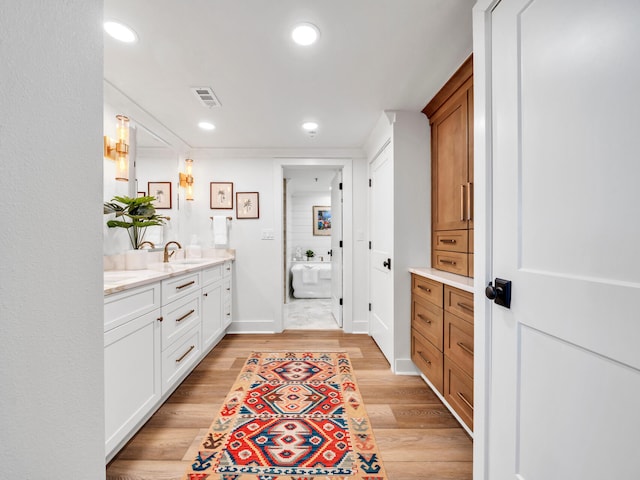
[564,378]
[336,247]
[380,261]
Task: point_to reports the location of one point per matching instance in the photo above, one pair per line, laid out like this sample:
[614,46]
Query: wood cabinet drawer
[178,287]
[180,357]
[426,318]
[458,342]
[471,265]
[428,359]
[459,303]
[226,268]
[451,240]
[454,262]
[458,391]
[178,317]
[429,290]
[471,240]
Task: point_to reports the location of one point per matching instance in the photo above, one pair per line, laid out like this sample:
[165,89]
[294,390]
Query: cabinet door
[449,163]
[131,375]
[212,296]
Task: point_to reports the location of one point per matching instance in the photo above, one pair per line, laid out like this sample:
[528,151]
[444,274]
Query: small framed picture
[321,221]
[247,205]
[162,192]
[142,194]
[221,196]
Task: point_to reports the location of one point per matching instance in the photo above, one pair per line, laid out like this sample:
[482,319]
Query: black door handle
[387,263]
[500,293]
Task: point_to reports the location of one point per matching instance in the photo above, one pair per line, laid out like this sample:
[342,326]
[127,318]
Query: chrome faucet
[146,242]
[168,255]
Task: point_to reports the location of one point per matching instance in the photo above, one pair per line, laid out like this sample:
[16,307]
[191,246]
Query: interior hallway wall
[51,292]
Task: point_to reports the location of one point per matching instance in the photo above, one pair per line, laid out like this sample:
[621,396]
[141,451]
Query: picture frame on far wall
[321,221]
[221,195]
[247,205]
[142,194]
[162,192]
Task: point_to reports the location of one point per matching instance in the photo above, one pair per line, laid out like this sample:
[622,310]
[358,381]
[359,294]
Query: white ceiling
[373,55]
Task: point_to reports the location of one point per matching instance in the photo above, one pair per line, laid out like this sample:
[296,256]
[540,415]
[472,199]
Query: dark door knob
[500,293]
[387,263]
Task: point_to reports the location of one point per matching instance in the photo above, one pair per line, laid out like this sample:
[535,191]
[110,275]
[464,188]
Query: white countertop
[120,280]
[451,279]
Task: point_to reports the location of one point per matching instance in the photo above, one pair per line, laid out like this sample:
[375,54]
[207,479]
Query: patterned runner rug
[291,416]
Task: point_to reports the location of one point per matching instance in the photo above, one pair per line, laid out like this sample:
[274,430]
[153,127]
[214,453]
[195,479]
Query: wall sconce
[186,178]
[119,150]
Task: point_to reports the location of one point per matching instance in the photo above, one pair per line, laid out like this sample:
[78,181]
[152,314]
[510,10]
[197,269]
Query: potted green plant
[309,254]
[135,215]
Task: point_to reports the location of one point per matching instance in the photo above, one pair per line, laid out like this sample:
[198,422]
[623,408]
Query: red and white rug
[293,416]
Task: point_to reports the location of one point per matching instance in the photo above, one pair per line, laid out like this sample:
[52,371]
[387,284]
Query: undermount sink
[191,261]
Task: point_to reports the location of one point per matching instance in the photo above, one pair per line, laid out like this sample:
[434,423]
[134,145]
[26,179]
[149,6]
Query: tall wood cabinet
[450,115]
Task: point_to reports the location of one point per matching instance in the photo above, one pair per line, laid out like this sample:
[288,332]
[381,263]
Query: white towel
[220,230]
[309,275]
[325,272]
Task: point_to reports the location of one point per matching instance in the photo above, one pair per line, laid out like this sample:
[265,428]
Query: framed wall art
[321,221]
[221,195]
[247,205]
[142,194]
[162,192]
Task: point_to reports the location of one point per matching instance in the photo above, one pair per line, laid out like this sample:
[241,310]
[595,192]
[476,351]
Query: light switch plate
[267,234]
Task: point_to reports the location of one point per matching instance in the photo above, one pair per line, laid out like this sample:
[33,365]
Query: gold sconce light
[118,150]
[186,178]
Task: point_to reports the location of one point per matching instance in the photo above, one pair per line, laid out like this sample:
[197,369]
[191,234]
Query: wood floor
[418,438]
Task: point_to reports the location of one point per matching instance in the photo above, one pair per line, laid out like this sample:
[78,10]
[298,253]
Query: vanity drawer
[426,318]
[454,262]
[178,287]
[458,342]
[121,307]
[178,317]
[212,274]
[427,358]
[451,240]
[459,303]
[226,314]
[458,391]
[180,357]
[427,289]
[226,269]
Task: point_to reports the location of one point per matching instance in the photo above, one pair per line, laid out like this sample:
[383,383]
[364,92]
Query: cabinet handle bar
[462,397]
[448,240]
[464,306]
[178,360]
[447,262]
[425,359]
[465,348]
[426,289]
[186,285]
[184,316]
[422,317]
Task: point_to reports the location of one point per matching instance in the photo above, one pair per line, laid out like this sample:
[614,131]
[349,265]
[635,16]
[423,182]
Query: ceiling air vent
[206,96]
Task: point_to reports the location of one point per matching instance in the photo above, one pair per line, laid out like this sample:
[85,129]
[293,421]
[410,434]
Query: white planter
[135,260]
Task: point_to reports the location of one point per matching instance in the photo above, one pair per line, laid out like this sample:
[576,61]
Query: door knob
[500,293]
[387,263]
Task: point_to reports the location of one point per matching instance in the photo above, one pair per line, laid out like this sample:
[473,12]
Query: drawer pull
[229,289]
[178,360]
[423,358]
[462,397]
[228,269]
[426,289]
[448,240]
[462,203]
[186,285]
[464,306]
[422,317]
[465,348]
[184,316]
[205,294]
[447,262]
[160,319]
[469,201]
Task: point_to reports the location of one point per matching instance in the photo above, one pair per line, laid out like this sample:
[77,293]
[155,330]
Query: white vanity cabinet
[132,362]
[212,303]
[156,332]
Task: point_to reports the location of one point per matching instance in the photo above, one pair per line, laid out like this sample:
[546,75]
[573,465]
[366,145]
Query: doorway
[312,260]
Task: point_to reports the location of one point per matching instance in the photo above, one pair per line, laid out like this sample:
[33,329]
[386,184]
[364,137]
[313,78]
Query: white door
[380,259]
[564,384]
[336,247]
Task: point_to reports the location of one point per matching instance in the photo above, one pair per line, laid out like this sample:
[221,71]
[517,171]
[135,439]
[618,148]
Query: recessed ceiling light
[120,32]
[305,34]
[310,126]
[207,126]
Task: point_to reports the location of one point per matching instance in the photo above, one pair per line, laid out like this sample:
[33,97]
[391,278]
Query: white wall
[51,333]
[300,220]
